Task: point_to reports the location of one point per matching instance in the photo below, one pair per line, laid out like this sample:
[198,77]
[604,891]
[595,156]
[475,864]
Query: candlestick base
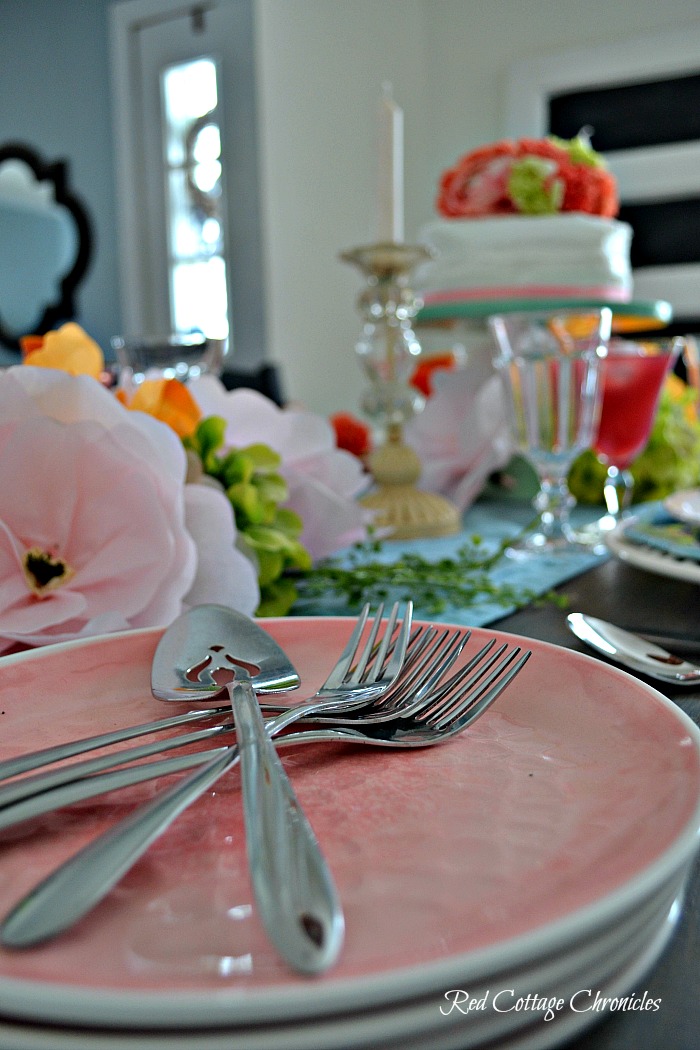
[406,511]
[388,349]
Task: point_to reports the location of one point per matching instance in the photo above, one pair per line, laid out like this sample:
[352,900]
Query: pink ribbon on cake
[529,291]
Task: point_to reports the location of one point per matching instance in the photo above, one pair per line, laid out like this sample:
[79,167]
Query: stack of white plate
[662,538]
[496,889]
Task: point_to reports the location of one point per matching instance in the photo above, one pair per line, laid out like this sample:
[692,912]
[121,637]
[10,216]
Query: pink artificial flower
[323,480]
[224,575]
[93,529]
[462,434]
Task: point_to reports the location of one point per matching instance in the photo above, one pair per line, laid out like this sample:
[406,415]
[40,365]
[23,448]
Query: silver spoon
[632,651]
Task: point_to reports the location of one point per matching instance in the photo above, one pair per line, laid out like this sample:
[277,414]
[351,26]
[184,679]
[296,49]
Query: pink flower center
[43,571]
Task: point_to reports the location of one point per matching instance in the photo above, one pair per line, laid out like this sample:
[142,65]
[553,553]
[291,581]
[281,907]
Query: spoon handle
[294,890]
[72,890]
[24,788]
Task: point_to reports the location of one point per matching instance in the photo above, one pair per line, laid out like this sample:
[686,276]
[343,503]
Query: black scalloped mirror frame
[55,172]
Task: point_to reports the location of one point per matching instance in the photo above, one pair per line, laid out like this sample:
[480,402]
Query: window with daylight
[195,199]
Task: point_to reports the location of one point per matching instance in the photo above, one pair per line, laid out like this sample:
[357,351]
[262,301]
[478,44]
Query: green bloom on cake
[528,177]
[533,188]
[580,150]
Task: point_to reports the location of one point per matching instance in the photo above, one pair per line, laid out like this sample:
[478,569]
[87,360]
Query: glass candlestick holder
[388,350]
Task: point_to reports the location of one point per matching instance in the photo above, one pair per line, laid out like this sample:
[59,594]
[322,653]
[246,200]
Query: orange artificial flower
[351,434]
[678,391]
[68,349]
[422,378]
[168,400]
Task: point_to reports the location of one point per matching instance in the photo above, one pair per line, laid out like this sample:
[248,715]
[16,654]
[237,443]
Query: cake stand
[634,316]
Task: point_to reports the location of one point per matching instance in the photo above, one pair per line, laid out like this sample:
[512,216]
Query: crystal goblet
[179,356]
[551,364]
[633,376]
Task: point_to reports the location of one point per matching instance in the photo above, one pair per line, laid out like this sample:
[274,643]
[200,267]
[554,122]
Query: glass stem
[617,490]
[554,503]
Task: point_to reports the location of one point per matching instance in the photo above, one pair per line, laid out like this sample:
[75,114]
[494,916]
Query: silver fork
[446,712]
[429,657]
[76,886]
[406,713]
[31,760]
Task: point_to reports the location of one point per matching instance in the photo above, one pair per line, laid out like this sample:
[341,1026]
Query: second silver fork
[73,889]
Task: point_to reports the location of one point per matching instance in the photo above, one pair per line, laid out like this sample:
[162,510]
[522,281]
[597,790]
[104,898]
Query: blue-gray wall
[55,98]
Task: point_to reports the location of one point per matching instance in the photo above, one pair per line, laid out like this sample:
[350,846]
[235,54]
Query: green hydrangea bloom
[580,151]
[268,533]
[670,461]
[528,188]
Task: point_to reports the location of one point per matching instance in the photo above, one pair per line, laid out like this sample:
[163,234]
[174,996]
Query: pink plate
[566,806]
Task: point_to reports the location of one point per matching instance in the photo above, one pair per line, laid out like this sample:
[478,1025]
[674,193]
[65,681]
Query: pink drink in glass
[633,375]
[632,381]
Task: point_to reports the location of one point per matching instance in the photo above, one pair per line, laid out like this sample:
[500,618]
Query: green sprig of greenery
[269,533]
[463,580]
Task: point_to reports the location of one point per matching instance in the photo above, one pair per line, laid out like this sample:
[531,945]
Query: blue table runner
[494,521]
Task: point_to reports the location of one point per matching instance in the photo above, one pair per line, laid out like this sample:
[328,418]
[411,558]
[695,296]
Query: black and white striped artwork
[640,101]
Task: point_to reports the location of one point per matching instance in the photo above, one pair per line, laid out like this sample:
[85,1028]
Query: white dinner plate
[684,505]
[568,809]
[661,562]
[609,963]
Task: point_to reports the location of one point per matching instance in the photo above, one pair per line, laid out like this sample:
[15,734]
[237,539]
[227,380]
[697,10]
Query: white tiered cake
[532,219]
[570,256]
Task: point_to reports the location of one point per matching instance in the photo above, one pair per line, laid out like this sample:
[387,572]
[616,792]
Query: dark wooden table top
[645,602]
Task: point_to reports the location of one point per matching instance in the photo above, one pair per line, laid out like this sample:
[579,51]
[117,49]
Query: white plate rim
[182,1009]
[659,917]
[649,558]
[675,504]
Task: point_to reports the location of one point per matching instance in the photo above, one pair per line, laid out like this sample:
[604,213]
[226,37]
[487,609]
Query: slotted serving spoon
[307,929]
[410,722]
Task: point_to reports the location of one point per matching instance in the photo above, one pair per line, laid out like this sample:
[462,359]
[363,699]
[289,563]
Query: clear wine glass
[551,368]
[633,376]
[182,357]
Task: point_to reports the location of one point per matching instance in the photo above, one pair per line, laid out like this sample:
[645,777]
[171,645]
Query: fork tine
[399,654]
[443,705]
[435,661]
[476,707]
[458,708]
[379,660]
[412,689]
[346,657]
[355,676]
[466,677]
[419,644]
[421,636]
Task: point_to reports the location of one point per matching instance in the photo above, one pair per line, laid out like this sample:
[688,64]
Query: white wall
[321,67]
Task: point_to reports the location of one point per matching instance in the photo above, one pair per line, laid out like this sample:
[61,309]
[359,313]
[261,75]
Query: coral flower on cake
[97,530]
[528,177]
